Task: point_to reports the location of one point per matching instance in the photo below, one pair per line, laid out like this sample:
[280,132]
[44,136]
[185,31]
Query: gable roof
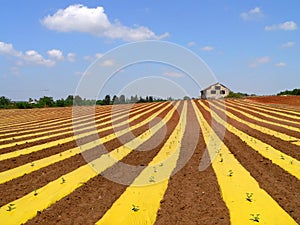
[218,83]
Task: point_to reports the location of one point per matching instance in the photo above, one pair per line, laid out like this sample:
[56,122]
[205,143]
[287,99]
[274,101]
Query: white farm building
[215,91]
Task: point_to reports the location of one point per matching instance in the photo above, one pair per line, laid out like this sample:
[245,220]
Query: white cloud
[252,14]
[108,63]
[289,44]
[30,56]
[259,61]
[56,54]
[34,57]
[280,64]
[8,49]
[92,58]
[173,74]
[191,43]
[287,26]
[95,21]
[71,57]
[207,48]
[98,55]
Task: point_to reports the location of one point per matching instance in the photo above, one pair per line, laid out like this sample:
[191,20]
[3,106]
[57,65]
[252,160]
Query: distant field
[254,177]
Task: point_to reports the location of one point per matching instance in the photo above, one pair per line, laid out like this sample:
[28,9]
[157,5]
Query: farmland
[190,162]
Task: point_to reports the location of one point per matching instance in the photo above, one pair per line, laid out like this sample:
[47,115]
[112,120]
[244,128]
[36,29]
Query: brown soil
[94,198]
[282,186]
[293,101]
[192,196]
[279,121]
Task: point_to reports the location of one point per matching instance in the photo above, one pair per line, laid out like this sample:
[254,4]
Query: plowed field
[186,162]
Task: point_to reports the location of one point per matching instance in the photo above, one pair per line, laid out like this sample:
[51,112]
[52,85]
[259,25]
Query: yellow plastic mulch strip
[15,120]
[265,121]
[41,131]
[286,162]
[276,108]
[244,104]
[141,200]
[63,130]
[52,124]
[36,123]
[282,136]
[40,147]
[48,124]
[235,182]
[92,123]
[25,208]
[267,116]
[41,163]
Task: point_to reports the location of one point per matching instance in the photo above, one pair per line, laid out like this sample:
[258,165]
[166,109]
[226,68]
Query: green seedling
[60,154]
[11,207]
[63,180]
[255,217]
[291,162]
[154,169]
[151,179]
[161,165]
[35,193]
[135,208]
[230,173]
[221,160]
[249,197]
[32,164]
[282,157]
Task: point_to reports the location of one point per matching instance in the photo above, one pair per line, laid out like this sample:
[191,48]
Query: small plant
[154,169]
[135,208]
[221,160]
[35,193]
[230,173]
[151,179]
[32,164]
[267,148]
[255,217]
[11,207]
[249,197]
[161,165]
[63,180]
[282,157]
[291,162]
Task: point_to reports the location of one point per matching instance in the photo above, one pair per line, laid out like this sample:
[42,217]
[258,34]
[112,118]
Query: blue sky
[251,46]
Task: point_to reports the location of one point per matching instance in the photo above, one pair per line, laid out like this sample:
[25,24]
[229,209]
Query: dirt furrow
[94,198]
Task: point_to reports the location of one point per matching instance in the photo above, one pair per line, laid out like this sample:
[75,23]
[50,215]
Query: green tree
[60,103]
[69,100]
[4,102]
[46,102]
[115,100]
[77,100]
[122,99]
[106,100]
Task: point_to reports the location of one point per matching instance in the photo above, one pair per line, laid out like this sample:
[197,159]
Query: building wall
[215,92]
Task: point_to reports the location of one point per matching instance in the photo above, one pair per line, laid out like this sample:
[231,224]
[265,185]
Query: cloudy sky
[47,46]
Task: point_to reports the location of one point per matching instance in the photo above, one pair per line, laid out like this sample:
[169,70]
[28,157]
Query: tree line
[287,92]
[71,100]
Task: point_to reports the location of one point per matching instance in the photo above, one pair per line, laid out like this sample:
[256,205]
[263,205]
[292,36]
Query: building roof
[218,83]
